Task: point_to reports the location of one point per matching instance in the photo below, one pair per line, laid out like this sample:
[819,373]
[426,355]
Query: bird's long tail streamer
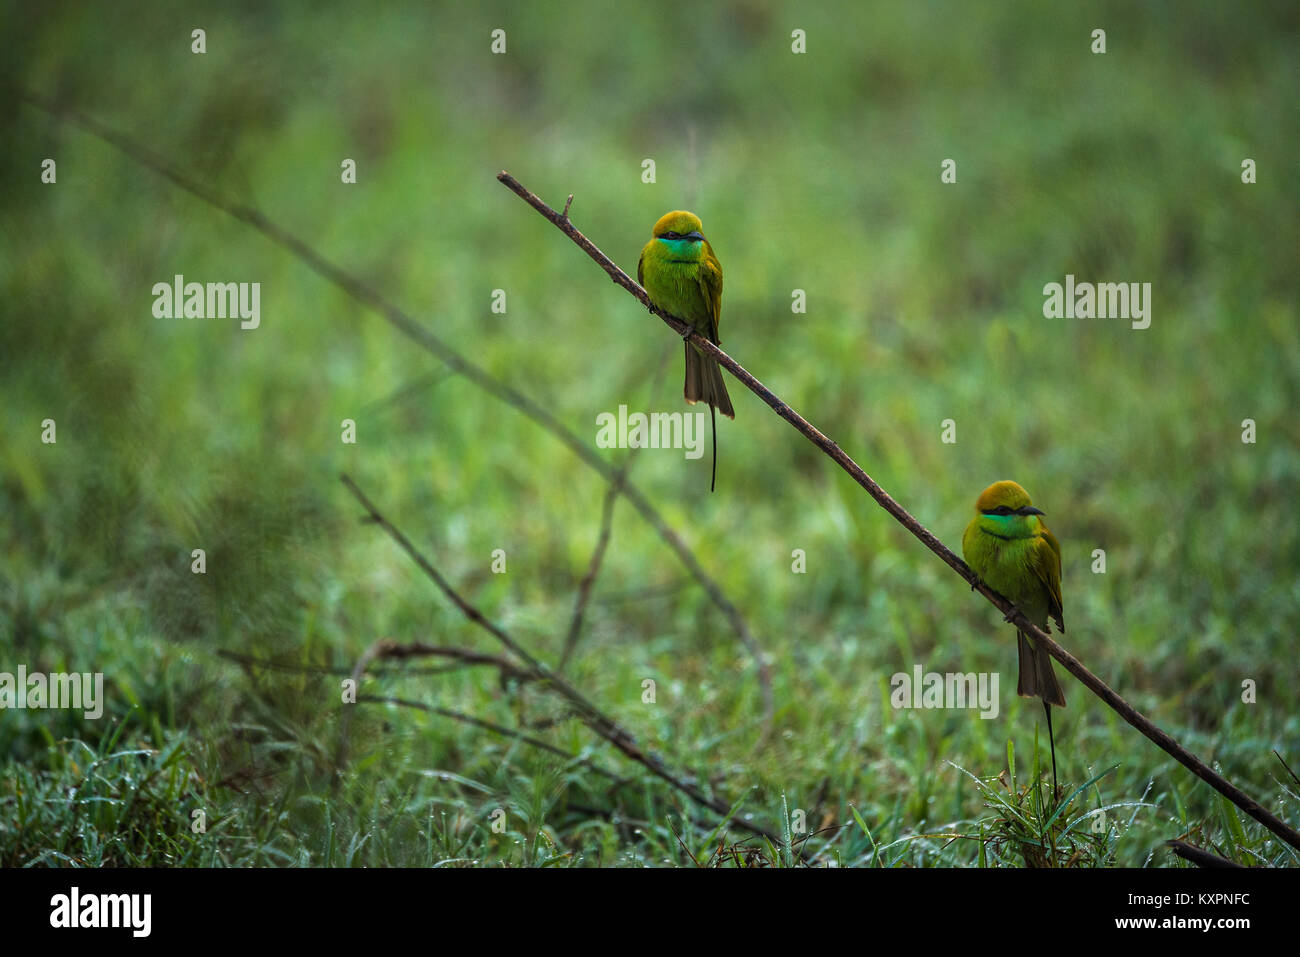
[1051,740]
[713,423]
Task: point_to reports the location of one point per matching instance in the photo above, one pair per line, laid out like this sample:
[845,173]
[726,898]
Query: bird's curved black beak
[1030,510]
[697,235]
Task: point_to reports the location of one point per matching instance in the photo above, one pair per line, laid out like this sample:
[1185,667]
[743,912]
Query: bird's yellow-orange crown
[1002,493]
[678,221]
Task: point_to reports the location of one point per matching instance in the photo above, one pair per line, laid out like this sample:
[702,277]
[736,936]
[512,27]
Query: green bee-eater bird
[1011,550]
[684,278]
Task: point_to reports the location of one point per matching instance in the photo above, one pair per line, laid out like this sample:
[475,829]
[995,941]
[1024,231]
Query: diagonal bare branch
[1072,664]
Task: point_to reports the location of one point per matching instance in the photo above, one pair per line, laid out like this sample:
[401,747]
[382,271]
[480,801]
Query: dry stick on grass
[418,650]
[927,538]
[386,648]
[376,649]
[490,726]
[597,556]
[367,296]
[466,657]
[592,716]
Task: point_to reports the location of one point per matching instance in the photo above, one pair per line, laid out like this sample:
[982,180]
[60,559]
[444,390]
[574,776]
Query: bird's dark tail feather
[704,382]
[1037,679]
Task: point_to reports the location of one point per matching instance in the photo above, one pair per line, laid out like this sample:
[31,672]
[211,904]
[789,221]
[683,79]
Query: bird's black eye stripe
[1000,510]
[671,235]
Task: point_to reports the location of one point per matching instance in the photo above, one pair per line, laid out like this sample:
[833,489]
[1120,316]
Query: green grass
[817,172]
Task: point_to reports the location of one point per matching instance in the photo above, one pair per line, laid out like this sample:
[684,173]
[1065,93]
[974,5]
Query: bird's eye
[671,234]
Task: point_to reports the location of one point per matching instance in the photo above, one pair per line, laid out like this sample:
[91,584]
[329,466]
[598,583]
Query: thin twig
[409,327]
[602,543]
[391,649]
[376,649]
[465,658]
[589,579]
[1287,766]
[1094,684]
[593,717]
[489,726]
[417,649]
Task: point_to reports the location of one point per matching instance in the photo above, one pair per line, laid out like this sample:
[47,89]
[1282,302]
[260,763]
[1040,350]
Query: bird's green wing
[710,279]
[640,270]
[1047,566]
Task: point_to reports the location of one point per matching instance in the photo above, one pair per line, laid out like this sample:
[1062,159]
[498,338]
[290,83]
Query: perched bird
[1011,550]
[684,278]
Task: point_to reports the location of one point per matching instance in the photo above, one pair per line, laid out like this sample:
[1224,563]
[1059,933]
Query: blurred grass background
[817,172]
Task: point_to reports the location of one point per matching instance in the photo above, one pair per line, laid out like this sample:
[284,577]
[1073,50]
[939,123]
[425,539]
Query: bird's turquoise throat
[683,250]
